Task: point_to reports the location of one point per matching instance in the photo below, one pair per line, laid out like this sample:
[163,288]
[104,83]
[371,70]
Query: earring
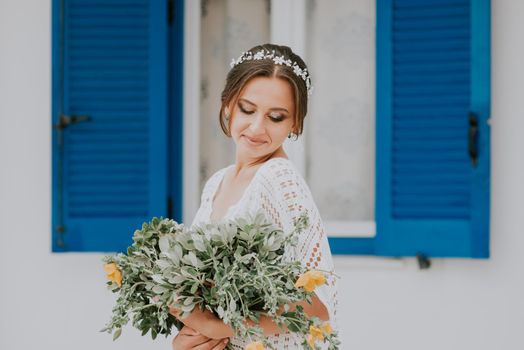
[226,112]
[293,136]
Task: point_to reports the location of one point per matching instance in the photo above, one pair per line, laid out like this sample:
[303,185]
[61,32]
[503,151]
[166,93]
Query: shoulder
[277,169]
[282,174]
[287,183]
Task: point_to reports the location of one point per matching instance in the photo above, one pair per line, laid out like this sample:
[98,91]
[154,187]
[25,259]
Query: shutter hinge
[170,207]
[170,11]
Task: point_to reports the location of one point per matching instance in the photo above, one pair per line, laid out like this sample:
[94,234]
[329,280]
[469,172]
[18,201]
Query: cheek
[238,124]
[279,133]
[282,133]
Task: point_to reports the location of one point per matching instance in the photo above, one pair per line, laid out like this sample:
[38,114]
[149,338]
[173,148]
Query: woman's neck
[246,165]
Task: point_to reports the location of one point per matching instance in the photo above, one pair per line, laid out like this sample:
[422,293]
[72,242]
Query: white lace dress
[278,188]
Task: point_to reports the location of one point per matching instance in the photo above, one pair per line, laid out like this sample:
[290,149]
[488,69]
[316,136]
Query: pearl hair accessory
[264,54]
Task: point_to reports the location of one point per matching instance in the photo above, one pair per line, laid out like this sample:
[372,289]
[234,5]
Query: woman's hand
[189,339]
[205,323]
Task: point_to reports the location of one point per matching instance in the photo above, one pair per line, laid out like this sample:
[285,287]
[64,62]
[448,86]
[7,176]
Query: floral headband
[264,54]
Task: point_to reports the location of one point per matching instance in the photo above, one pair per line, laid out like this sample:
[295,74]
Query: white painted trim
[350,262]
[288,27]
[362,229]
[191,163]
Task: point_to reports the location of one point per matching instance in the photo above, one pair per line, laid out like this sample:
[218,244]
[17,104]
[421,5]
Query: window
[408,139]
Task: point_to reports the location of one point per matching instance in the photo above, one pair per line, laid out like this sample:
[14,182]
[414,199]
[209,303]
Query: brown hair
[242,73]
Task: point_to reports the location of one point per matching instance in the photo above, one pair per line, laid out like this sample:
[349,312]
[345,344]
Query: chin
[254,153]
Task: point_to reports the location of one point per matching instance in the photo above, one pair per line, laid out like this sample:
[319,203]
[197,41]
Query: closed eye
[277,118]
[245,111]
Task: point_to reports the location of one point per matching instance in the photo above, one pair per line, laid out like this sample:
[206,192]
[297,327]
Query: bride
[264,101]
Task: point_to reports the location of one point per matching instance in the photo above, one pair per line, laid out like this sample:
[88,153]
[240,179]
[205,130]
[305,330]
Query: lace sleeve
[291,196]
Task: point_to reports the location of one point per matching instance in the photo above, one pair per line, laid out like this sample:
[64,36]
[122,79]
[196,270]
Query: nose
[257,126]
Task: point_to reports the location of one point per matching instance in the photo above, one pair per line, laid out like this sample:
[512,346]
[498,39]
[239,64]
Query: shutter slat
[417,112]
[431,24]
[453,213]
[451,167]
[430,57]
[428,46]
[424,158]
[459,10]
[440,90]
[123,23]
[434,78]
[458,189]
[427,4]
[432,134]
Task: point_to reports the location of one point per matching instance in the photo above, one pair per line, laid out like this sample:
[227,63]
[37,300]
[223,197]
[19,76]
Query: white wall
[59,301]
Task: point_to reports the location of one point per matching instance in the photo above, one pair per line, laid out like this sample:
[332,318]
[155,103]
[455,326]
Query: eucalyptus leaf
[117,333]
[159,289]
[199,243]
[194,288]
[163,243]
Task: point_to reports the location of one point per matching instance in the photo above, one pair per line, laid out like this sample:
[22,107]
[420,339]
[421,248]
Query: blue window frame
[433,136]
[116,64]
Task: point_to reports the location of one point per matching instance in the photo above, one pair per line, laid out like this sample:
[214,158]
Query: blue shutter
[110,174]
[433,87]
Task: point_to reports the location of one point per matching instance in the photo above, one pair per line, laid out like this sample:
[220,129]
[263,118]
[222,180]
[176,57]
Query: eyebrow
[274,108]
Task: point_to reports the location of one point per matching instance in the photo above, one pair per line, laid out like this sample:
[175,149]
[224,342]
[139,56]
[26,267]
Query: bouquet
[235,269]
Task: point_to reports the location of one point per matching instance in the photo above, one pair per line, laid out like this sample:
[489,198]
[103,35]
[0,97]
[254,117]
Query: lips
[254,141]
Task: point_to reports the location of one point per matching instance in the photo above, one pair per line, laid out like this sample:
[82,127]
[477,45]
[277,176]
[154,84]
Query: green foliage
[136,298]
[235,269]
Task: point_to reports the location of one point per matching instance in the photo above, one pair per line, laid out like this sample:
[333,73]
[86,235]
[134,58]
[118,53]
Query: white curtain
[229,27]
[341,120]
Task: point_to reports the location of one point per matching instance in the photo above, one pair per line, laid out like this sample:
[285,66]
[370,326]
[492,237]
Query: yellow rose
[257,345]
[113,273]
[311,340]
[310,280]
[326,328]
[316,332]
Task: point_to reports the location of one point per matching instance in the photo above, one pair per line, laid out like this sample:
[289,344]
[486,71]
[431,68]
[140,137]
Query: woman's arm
[316,308]
[206,323]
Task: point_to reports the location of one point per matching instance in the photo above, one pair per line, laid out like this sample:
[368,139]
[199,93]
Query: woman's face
[263,116]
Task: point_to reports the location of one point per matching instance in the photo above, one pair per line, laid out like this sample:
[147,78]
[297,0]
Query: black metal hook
[473,138]
[423,261]
[66,120]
